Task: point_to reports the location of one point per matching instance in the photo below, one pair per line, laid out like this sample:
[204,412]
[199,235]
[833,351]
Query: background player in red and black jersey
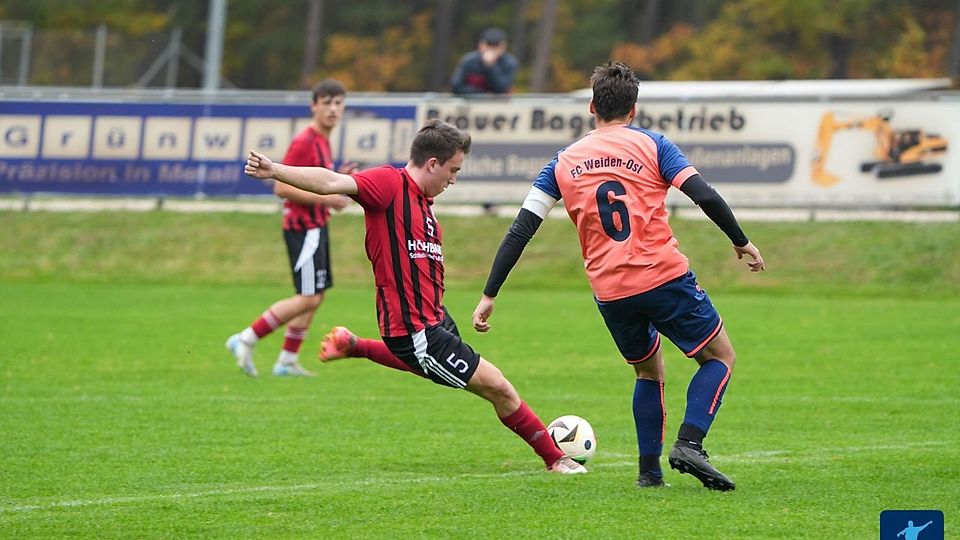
[305,217]
[403,243]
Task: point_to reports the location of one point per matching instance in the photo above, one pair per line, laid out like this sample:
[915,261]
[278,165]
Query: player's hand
[336,202]
[349,167]
[482,314]
[259,166]
[756,265]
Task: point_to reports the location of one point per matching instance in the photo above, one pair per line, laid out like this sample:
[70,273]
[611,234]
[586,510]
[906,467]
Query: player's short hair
[328,88]
[438,139]
[615,90]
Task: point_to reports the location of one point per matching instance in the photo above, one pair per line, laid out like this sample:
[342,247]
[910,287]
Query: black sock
[691,434]
[651,464]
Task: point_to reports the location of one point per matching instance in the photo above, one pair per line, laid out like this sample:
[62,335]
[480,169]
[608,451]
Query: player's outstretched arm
[299,196]
[534,209]
[314,179]
[713,205]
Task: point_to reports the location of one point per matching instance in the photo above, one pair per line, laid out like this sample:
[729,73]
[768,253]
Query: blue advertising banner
[171,149]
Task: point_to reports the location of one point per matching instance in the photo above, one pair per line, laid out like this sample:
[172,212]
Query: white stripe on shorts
[428,363]
[308,275]
[444,373]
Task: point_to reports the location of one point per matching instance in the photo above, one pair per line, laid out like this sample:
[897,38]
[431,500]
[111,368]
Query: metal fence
[95,57]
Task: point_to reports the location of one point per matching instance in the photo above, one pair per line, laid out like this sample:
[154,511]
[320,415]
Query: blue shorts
[678,309]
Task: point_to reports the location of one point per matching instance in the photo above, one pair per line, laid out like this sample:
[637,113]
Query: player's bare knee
[650,369]
[728,357]
[499,390]
[314,300]
[505,397]
[731,361]
[489,383]
[720,348]
[507,392]
[308,302]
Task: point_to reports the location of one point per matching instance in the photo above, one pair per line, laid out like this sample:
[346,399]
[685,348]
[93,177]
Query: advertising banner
[858,154]
[173,149]
[803,153]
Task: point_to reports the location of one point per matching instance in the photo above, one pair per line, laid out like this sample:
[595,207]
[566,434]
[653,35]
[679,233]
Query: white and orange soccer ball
[574,436]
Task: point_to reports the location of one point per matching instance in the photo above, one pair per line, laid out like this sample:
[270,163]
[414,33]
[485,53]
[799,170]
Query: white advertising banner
[829,154]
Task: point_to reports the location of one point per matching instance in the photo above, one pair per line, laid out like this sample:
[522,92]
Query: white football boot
[243,352]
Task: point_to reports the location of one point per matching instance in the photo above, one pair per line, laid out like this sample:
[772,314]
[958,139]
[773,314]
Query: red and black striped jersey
[404,246]
[308,149]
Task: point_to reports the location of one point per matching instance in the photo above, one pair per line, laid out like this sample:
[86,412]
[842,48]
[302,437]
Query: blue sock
[705,394]
[648,415]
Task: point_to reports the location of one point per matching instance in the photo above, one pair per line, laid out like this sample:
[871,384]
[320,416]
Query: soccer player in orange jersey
[613,183]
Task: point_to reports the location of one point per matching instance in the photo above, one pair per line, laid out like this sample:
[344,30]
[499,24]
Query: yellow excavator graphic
[897,153]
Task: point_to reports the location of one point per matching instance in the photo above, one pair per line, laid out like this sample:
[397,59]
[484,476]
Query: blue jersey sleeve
[547,180]
[670,158]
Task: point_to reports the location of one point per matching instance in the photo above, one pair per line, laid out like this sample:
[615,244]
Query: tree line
[412,46]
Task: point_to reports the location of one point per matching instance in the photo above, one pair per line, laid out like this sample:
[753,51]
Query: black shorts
[437,353]
[449,323]
[309,253]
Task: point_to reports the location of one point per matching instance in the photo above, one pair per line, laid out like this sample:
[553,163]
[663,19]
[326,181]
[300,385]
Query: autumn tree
[412,46]
[800,39]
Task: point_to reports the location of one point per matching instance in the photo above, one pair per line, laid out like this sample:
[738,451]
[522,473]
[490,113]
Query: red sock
[377,351]
[268,322]
[293,339]
[525,423]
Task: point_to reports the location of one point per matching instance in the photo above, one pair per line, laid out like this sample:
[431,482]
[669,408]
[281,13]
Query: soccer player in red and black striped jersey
[305,217]
[403,243]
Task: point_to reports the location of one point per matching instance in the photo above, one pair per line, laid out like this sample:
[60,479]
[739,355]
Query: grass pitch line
[757,456]
[112,501]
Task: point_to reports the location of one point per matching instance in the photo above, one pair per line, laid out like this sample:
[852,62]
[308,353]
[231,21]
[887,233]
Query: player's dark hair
[328,88]
[615,90]
[440,140]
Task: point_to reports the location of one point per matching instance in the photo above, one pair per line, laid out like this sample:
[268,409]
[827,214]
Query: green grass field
[124,417]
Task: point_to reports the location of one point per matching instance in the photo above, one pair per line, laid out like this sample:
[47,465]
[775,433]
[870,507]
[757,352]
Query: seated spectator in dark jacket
[488,70]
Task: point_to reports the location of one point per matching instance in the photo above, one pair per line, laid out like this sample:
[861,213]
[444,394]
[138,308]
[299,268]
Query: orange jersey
[613,183]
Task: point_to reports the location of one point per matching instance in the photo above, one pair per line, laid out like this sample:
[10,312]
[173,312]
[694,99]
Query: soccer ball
[574,436]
